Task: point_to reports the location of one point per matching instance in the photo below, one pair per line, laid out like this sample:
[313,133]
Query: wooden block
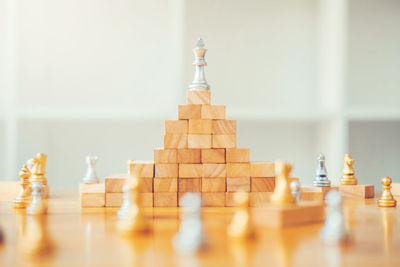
[199,141]
[279,216]
[166,170]
[237,155]
[9,190]
[395,189]
[265,184]
[189,112]
[189,185]
[262,169]
[200,126]
[190,170]
[146,185]
[175,141]
[214,170]
[230,200]
[213,185]
[314,193]
[236,170]
[213,199]
[223,141]
[146,199]
[201,97]
[165,199]
[140,168]
[164,185]
[214,155]
[238,184]
[114,183]
[189,155]
[259,199]
[92,195]
[213,112]
[312,196]
[176,126]
[181,194]
[357,191]
[114,199]
[225,127]
[165,155]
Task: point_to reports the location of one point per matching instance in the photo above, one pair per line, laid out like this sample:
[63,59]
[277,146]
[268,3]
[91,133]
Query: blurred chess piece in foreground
[36,241]
[348,177]
[282,193]
[38,205]
[321,177]
[241,226]
[387,199]
[91,176]
[295,187]
[24,197]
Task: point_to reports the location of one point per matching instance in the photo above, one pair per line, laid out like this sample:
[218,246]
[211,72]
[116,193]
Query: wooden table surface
[82,237]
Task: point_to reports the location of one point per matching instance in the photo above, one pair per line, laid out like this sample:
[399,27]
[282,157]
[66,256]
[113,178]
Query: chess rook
[348,177]
[91,176]
[199,82]
[321,178]
[387,199]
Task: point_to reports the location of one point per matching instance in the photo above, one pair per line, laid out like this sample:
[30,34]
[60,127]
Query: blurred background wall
[99,77]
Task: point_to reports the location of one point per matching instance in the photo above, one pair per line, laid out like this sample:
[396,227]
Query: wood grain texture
[199,141]
[224,127]
[115,183]
[238,170]
[175,141]
[238,184]
[230,199]
[214,155]
[200,126]
[165,185]
[213,184]
[223,141]
[190,170]
[357,191]
[262,169]
[198,97]
[265,184]
[165,199]
[166,170]
[214,112]
[114,199]
[213,199]
[140,168]
[146,185]
[165,155]
[92,195]
[214,170]
[259,199]
[315,193]
[189,155]
[146,199]
[189,112]
[176,126]
[189,185]
[237,155]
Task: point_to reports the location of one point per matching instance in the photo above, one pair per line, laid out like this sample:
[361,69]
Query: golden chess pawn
[348,177]
[39,168]
[24,197]
[240,226]
[387,199]
[282,193]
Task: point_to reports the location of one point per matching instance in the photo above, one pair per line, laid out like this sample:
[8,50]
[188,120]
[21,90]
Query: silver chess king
[199,82]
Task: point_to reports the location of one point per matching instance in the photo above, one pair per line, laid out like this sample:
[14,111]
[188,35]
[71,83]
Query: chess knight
[348,171]
[39,168]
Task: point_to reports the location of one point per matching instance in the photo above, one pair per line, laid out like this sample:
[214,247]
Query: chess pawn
[334,229]
[24,197]
[321,178]
[282,193]
[39,168]
[37,205]
[295,187]
[91,176]
[127,201]
[241,227]
[199,81]
[348,177]
[387,199]
[35,240]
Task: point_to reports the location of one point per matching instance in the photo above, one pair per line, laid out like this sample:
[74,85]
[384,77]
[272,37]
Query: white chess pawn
[190,235]
[334,230]
[37,205]
[295,188]
[122,212]
[91,176]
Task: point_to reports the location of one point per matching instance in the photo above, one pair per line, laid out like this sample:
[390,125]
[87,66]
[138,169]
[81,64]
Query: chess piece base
[322,183]
[21,203]
[348,181]
[357,191]
[387,203]
[36,210]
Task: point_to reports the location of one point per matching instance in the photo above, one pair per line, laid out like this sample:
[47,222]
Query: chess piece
[37,205]
[36,241]
[387,199]
[190,235]
[282,193]
[348,171]
[295,187]
[241,227]
[334,229]
[24,197]
[39,168]
[199,82]
[321,178]
[91,176]
[127,202]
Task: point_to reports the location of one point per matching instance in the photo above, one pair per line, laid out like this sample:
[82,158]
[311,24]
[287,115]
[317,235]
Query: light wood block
[264,184]
[175,141]
[214,170]
[165,155]
[213,199]
[314,193]
[213,112]
[262,169]
[189,155]
[259,199]
[357,191]
[165,185]
[166,170]
[115,183]
[141,168]
[9,190]
[214,155]
[238,184]
[189,112]
[165,199]
[146,199]
[199,141]
[224,127]
[279,216]
[114,199]
[237,170]
[230,200]
[190,170]
[395,189]
[237,155]
[200,126]
[189,185]
[312,196]
[146,185]
[176,126]
[92,195]
[202,97]
[223,141]
[213,184]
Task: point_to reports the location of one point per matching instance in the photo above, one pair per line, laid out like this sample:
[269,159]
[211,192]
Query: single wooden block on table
[213,155]
[238,170]
[186,112]
[166,170]
[357,191]
[262,169]
[199,141]
[224,127]
[114,199]
[190,155]
[189,185]
[237,155]
[181,194]
[176,126]
[262,184]
[224,141]
[259,199]
[165,155]
[213,199]
[230,199]
[92,195]
[175,141]
[214,170]
[190,170]
[165,199]
[238,184]
[213,184]
[214,112]
[165,185]
[115,182]
[141,168]
[314,193]
[200,97]
[200,126]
